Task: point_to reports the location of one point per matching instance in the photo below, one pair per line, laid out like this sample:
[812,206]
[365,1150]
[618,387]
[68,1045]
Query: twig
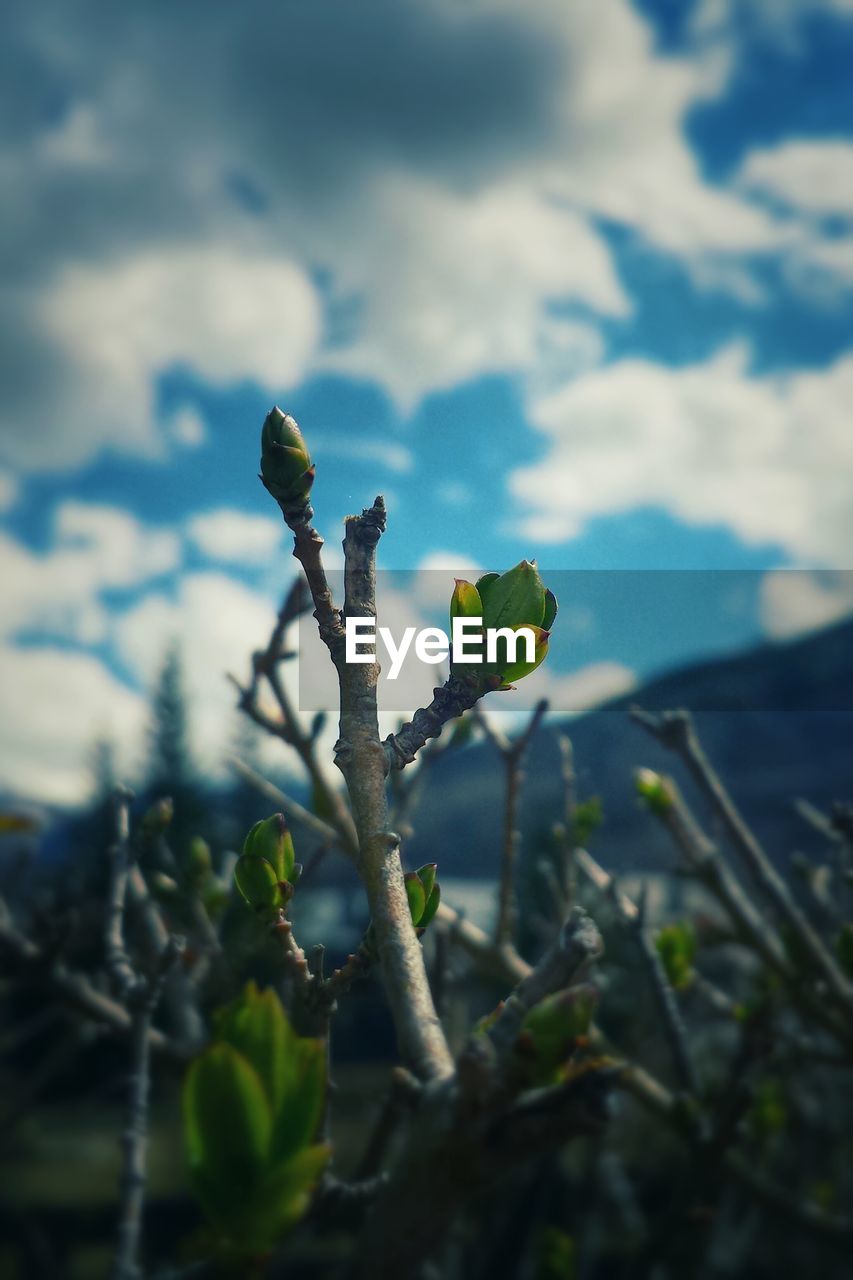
[118,962]
[457,695]
[141,994]
[676,731]
[78,991]
[400,1100]
[512,754]
[265,663]
[291,808]
[565,829]
[633,917]
[676,1032]
[578,944]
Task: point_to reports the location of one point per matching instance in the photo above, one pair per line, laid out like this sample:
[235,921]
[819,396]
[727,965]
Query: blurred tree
[171,770]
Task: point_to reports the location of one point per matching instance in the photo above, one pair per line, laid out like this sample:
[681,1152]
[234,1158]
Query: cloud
[8,490]
[579,691]
[217,623]
[107,330]
[769,456]
[793,602]
[235,537]
[810,176]
[388,453]
[95,549]
[394,192]
[59,704]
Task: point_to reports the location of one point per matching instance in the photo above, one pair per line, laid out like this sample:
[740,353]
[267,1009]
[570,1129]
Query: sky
[561,280]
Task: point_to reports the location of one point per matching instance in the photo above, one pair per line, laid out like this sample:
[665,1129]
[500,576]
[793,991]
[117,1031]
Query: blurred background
[568,282]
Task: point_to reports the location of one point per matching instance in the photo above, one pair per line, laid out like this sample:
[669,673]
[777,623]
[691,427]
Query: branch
[141,995]
[578,944]
[676,731]
[118,962]
[291,808]
[457,695]
[512,754]
[361,759]
[289,728]
[78,990]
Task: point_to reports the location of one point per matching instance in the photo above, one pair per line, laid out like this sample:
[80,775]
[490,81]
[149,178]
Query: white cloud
[112,327]
[235,537]
[8,490]
[391,454]
[813,176]
[455,285]
[793,602]
[94,549]
[217,622]
[187,428]
[767,455]
[580,691]
[59,703]
[442,233]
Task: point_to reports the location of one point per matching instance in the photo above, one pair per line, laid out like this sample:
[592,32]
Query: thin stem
[676,730]
[135,1144]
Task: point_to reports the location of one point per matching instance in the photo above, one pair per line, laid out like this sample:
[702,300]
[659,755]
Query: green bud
[676,946]
[588,817]
[271,839]
[551,1030]
[286,467]
[465,601]
[158,816]
[423,893]
[415,894]
[199,859]
[654,790]
[259,885]
[510,600]
[515,598]
[510,671]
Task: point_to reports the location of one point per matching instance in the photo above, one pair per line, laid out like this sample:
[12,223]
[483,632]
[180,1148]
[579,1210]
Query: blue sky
[564,281]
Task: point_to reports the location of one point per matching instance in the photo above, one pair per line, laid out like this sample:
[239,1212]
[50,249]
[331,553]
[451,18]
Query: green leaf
[465,601]
[256,1025]
[551,1029]
[432,904]
[550,610]
[518,670]
[426,875]
[516,599]
[285,1196]
[227,1127]
[484,585]
[676,946]
[415,894]
[588,817]
[304,1097]
[258,883]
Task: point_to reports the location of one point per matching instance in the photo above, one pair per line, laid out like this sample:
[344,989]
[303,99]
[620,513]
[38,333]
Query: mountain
[776,721]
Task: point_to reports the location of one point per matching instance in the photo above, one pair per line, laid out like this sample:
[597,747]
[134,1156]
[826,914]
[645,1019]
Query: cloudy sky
[563,280]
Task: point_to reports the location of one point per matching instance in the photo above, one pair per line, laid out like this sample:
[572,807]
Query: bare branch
[676,731]
[457,695]
[578,944]
[512,753]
